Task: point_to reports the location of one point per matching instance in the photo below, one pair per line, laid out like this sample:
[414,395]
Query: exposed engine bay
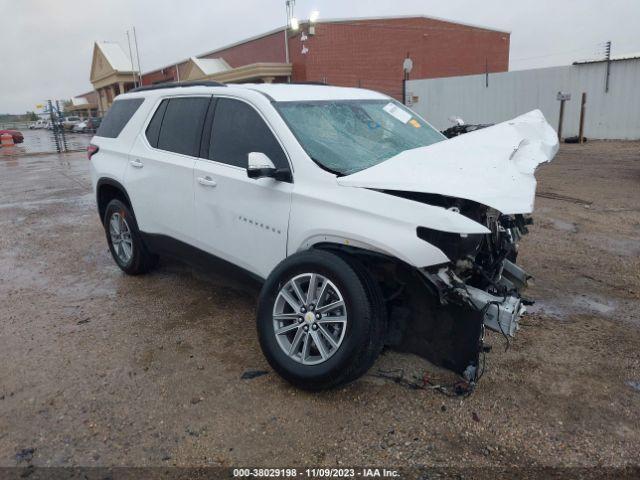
[442,311]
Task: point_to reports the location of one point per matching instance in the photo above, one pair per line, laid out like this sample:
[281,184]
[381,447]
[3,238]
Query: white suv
[367,226]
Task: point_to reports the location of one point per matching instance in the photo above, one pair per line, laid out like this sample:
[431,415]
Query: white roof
[77,101]
[283,92]
[209,66]
[116,57]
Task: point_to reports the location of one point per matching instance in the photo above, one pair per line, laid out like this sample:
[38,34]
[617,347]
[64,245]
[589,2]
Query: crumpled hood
[493,166]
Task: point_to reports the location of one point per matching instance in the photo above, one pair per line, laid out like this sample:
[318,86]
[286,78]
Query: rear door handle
[207,181]
[136,163]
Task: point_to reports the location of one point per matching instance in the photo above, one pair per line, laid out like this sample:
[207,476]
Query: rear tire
[124,239]
[347,350]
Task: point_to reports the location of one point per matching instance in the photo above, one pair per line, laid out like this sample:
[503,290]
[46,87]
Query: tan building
[112,73]
[84,105]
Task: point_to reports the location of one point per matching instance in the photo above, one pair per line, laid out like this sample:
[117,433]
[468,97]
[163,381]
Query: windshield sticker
[413,122]
[396,112]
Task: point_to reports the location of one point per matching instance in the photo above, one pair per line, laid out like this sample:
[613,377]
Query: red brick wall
[167,74]
[265,49]
[369,53]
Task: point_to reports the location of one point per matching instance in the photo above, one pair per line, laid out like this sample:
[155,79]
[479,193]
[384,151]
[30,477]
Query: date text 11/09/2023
[316,472]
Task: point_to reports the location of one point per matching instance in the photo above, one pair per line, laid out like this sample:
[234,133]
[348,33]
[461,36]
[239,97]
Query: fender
[112,183]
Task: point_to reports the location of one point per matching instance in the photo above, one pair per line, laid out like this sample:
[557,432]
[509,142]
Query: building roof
[210,66]
[77,101]
[116,57]
[614,58]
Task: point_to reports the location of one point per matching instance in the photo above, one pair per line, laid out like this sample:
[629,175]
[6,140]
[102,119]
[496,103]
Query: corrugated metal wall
[612,115]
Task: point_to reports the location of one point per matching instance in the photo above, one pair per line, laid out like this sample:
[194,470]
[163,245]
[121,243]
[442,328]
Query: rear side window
[153,130]
[118,116]
[182,125]
[238,129]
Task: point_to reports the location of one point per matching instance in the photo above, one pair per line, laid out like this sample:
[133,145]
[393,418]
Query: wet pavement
[42,141]
[101,369]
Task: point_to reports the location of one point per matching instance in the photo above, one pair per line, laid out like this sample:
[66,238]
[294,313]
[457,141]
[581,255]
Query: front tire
[124,239]
[317,323]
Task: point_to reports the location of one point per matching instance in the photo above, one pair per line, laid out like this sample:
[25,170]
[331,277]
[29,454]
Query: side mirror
[261,166]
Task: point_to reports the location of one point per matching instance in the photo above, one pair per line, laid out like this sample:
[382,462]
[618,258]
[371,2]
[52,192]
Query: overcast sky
[51,41]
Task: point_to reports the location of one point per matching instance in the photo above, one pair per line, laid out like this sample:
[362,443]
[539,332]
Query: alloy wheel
[120,234]
[309,318]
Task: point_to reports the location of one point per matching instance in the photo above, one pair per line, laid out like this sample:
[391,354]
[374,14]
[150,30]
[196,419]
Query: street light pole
[289,6]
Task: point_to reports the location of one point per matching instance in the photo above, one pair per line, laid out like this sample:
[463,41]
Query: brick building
[354,52]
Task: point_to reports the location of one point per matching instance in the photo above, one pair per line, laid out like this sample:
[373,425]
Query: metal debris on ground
[25,455]
[462,388]
[251,374]
[634,384]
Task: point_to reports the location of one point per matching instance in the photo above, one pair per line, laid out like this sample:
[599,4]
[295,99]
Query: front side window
[182,125]
[237,130]
[346,136]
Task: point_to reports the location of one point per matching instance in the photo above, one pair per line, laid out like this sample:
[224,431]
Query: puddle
[79,200]
[563,226]
[578,304]
[623,246]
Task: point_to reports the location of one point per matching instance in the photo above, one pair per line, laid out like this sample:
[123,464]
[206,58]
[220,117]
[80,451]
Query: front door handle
[136,163]
[207,181]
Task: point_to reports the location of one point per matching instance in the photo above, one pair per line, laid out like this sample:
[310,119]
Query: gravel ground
[101,369]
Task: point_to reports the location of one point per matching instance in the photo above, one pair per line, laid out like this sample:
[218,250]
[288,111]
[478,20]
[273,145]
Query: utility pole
[289,6]
[407,66]
[135,39]
[561,97]
[486,73]
[582,109]
[607,52]
[133,68]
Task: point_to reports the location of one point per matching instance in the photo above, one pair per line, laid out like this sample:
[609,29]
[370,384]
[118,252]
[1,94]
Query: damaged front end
[440,311]
[480,288]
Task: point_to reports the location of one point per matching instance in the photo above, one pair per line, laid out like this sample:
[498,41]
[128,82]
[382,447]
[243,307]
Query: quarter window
[118,116]
[153,130]
[182,125]
[237,130]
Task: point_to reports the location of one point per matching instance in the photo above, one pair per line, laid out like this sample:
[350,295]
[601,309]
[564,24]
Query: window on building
[153,129]
[237,130]
[182,125]
[118,116]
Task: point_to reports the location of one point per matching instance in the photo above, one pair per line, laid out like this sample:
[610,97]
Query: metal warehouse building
[612,88]
[366,52]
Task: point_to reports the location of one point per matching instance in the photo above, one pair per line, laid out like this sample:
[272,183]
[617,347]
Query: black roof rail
[159,86]
[322,84]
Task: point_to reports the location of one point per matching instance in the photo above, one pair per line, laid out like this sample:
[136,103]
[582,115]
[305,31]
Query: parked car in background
[15,134]
[90,125]
[367,226]
[38,125]
[69,122]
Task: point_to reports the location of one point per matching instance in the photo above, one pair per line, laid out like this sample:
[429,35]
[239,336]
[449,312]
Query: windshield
[346,136]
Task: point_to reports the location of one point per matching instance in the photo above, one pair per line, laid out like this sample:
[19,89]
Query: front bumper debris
[448,328]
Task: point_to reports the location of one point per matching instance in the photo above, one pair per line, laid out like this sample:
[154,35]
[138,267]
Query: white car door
[159,177]
[240,219]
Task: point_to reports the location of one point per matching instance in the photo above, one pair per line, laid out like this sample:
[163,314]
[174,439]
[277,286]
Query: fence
[609,115]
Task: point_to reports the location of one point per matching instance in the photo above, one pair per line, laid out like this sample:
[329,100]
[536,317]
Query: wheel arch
[106,190]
